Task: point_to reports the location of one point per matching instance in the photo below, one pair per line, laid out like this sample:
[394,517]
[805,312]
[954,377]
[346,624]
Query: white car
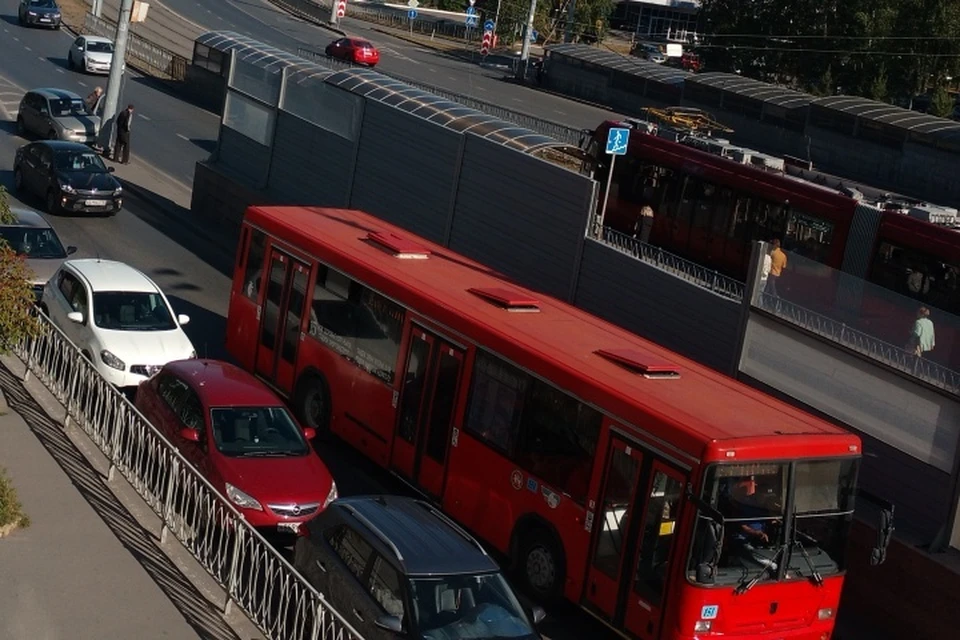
[92,54]
[118,317]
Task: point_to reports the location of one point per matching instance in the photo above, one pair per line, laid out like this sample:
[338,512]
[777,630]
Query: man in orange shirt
[778,262]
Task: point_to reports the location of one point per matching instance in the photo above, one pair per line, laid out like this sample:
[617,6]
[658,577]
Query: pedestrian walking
[121,151]
[92,99]
[644,224]
[923,336]
[778,262]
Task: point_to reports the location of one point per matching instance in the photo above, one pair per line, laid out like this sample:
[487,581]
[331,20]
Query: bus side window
[496,401]
[253,272]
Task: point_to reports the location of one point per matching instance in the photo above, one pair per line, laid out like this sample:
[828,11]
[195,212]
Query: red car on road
[242,438]
[354,50]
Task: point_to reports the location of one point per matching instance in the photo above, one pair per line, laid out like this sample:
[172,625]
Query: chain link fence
[252,572]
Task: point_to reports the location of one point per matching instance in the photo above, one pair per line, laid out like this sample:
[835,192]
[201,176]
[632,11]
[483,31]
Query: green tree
[941,102]
[16,292]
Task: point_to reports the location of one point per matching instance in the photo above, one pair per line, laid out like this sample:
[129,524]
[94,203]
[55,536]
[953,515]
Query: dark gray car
[397,567]
[32,237]
[57,114]
[39,13]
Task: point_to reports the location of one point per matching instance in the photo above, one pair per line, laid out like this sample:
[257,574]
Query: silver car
[32,237]
[57,114]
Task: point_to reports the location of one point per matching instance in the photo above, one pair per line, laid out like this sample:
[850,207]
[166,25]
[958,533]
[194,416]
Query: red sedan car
[354,50]
[242,438]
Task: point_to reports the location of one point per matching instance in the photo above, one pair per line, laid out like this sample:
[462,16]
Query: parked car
[118,317]
[92,54]
[354,50]
[32,237]
[396,566]
[57,114]
[39,13]
[69,176]
[242,438]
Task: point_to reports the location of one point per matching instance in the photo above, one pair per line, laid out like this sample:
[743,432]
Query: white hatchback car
[118,317]
[92,54]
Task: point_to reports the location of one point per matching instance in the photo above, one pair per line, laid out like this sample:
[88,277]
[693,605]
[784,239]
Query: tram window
[808,236]
[917,275]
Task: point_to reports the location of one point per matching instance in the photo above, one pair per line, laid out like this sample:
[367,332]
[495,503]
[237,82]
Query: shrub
[16,292]
[11,511]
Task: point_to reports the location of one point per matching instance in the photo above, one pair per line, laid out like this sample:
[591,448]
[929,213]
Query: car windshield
[479,606]
[85,161]
[257,431]
[100,47]
[131,311]
[32,242]
[64,107]
[43,4]
[758,541]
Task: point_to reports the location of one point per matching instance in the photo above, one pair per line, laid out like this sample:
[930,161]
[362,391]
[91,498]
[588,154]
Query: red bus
[665,499]
[710,209]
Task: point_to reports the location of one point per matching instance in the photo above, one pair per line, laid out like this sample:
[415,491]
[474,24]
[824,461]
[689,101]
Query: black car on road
[39,13]
[396,567]
[69,176]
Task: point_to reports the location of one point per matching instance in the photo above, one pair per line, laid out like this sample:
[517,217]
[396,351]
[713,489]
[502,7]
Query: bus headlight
[825,614]
[703,626]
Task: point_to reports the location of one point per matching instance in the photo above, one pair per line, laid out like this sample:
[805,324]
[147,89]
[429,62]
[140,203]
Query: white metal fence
[255,576]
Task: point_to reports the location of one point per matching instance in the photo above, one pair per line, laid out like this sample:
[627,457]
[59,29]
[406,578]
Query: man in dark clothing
[121,151]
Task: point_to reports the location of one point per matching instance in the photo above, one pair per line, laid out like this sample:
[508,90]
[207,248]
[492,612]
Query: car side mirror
[111,169]
[538,615]
[183,319]
[190,434]
[309,433]
[75,316]
[390,623]
[71,250]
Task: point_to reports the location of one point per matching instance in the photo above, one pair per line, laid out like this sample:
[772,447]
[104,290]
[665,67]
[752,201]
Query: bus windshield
[774,528]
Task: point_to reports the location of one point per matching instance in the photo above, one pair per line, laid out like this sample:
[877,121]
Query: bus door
[281,319]
[428,401]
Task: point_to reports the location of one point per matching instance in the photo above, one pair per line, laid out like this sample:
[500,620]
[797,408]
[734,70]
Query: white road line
[60,71]
[81,83]
[16,39]
[563,113]
[517,100]
[144,117]
[481,88]
[451,77]
[27,48]
[41,58]
[180,135]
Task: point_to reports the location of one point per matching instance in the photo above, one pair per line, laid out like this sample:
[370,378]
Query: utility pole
[114,83]
[571,17]
[525,51]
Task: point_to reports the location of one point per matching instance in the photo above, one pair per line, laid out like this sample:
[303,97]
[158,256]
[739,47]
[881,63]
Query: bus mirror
[885,528]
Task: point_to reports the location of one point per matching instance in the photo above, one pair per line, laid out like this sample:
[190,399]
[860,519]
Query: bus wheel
[542,566]
[312,404]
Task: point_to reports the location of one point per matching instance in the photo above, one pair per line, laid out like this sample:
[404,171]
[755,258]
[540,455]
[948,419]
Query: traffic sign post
[412,15]
[340,10]
[489,25]
[472,18]
[486,42]
[617,141]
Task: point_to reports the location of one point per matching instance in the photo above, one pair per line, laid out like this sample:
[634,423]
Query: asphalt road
[173,133]
[263,21]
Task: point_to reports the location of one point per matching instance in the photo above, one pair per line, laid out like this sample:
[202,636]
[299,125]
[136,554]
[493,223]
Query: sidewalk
[86,567]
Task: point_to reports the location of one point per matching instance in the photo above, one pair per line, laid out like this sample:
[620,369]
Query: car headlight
[56,15]
[32,13]
[66,188]
[112,361]
[241,499]
[331,496]
[118,191]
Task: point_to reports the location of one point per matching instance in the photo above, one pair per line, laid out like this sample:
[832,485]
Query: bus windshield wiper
[814,574]
[768,565]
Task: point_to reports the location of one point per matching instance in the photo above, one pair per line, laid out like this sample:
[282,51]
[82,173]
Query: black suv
[397,567]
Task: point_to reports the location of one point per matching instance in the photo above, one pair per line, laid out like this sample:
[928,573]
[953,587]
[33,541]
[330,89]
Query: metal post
[525,51]
[116,75]
[496,19]
[334,18]
[571,17]
[606,196]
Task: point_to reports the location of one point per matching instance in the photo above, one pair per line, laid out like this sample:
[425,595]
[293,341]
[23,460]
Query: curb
[311,19]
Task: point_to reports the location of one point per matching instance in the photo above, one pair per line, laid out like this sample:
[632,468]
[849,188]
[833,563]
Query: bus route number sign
[709,612]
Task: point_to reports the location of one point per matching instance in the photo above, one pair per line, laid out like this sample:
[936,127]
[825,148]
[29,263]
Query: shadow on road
[9,127]
[196,610]
[178,89]
[58,61]
[203,322]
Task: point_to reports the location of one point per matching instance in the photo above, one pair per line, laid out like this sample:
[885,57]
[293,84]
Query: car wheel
[541,566]
[70,63]
[21,127]
[312,405]
[53,202]
[18,179]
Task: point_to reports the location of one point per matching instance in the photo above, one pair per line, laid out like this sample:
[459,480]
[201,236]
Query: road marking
[481,88]
[81,83]
[16,39]
[563,113]
[41,58]
[517,100]
[180,135]
[28,48]
[451,77]
[60,70]
[144,117]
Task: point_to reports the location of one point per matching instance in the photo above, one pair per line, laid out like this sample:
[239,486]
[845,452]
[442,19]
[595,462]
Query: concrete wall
[658,306]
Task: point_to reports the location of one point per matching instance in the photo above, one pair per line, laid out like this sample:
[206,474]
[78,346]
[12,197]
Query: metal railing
[863,343]
[141,53]
[254,575]
[555,130]
[675,265]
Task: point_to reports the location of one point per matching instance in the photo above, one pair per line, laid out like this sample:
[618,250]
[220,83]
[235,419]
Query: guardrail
[863,343]
[680,267]
[254,575]
[555,130]
[141,53]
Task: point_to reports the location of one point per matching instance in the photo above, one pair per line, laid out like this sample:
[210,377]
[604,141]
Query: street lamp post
[115,81]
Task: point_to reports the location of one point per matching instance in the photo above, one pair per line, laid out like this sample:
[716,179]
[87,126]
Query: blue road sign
[412,14]
[533,35]
[617,141]
[488,25]
[471,11]
[473,21]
